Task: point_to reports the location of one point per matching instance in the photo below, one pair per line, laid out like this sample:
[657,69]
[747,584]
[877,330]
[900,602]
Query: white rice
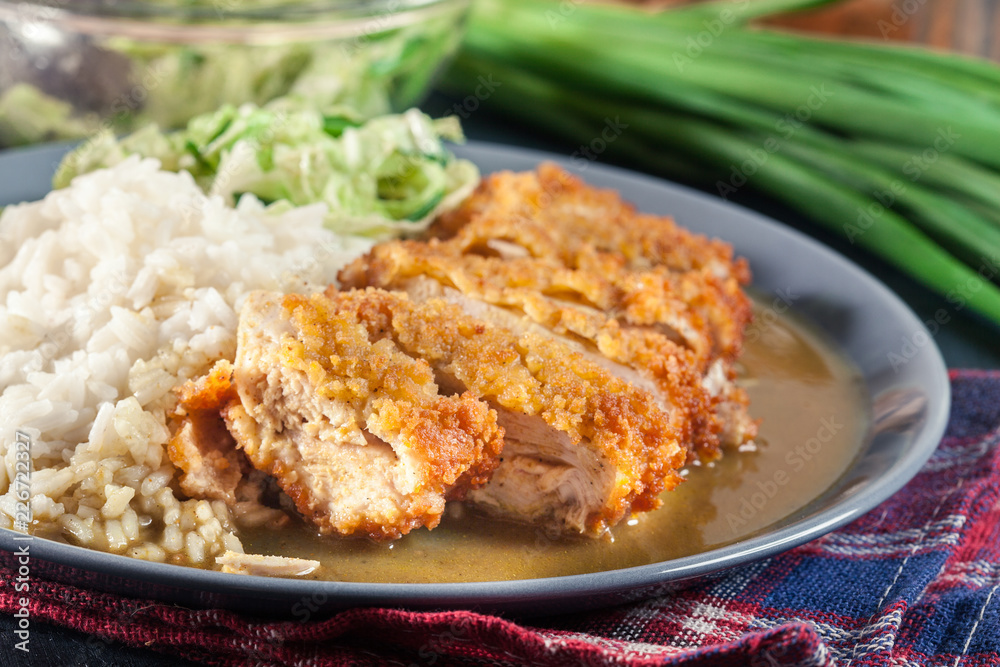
[112,292]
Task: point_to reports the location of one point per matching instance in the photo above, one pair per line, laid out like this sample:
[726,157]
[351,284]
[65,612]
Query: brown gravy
[814,413]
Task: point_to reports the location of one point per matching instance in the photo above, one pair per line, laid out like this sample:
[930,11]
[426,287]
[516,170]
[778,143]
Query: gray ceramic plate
[860,315]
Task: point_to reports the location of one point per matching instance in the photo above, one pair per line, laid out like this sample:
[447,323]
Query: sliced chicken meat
[608,447]
[352,427]
[652,303]
[266,566]
[553,356]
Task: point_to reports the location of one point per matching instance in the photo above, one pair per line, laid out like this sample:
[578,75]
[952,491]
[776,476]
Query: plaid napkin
[914,582]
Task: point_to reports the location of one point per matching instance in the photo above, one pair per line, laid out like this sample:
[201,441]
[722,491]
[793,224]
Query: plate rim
[526,594]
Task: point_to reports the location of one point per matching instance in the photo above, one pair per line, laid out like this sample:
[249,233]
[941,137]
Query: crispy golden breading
[584,218]
[352,428]
[572,305]
[553,356]
[209,391]
[202,446]
[533,376]
[556,216]
[204,449]
[636,289]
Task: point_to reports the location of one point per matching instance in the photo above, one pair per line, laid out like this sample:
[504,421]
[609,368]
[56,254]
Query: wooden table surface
[964,26]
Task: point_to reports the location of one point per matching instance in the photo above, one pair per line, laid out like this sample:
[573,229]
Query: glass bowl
[69,68]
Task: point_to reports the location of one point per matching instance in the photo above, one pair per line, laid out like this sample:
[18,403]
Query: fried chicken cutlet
[352,428]
[371,410]
[613,448]
[654,304]
[552,356]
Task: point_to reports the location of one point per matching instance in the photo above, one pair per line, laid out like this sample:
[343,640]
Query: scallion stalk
[844,122]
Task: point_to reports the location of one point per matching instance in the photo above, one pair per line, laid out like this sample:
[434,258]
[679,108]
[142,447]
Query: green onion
[895,148]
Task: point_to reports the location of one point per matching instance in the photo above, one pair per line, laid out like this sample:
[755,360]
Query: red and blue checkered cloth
[914,582]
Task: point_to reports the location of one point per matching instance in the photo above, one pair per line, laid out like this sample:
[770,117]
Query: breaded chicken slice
[498,292]
[552,214]
[212,466]
[353,429]
[201,446]
[582,447]
[654,304]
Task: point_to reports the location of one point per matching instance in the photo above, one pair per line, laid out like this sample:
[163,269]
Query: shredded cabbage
[388,175]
